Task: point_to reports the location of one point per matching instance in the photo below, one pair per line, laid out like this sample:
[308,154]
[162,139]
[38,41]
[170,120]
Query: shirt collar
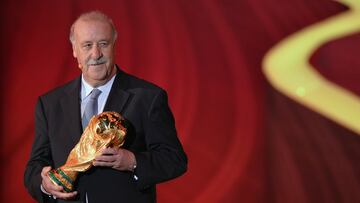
[86,88]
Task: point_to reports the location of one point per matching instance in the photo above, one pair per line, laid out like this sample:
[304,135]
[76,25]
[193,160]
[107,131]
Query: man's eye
[103,44]
[87,46]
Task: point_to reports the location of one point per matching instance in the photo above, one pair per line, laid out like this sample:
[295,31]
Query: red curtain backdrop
[245,141]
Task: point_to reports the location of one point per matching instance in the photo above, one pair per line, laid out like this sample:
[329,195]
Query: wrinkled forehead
[92,29]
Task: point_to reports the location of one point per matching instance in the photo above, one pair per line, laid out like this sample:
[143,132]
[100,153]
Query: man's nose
[96,52]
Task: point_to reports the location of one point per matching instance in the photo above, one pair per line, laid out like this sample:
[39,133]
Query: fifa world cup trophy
[107,129]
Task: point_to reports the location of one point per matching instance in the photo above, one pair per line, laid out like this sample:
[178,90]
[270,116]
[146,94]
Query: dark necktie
[91,107]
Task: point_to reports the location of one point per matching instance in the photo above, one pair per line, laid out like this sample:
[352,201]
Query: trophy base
[59,177]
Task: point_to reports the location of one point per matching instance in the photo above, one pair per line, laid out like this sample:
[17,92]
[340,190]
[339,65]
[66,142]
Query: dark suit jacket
[152,138]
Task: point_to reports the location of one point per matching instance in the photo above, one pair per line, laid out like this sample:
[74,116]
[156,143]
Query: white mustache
[94,62]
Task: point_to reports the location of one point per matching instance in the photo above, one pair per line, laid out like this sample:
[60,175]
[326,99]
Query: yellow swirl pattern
[287,68]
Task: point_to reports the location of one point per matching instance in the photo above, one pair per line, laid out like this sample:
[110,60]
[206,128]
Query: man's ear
[74,52]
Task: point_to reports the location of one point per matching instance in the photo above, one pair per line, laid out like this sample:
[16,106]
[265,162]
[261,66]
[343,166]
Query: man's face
[94,49]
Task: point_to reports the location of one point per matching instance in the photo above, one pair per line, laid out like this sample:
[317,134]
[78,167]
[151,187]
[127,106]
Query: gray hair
[95,16]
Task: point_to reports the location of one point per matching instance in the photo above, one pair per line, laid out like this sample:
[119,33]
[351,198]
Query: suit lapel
[118,97]
[70,104]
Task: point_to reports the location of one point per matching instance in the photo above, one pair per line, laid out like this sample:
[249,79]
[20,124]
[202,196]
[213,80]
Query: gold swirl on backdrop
[287,68]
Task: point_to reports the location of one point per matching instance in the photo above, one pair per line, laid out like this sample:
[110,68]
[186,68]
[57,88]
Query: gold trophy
[107,129]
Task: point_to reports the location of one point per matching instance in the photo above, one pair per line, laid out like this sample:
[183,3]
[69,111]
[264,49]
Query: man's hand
[117,158]
[55,190]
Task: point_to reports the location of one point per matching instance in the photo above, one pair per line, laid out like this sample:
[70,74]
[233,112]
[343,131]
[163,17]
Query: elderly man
[152,152]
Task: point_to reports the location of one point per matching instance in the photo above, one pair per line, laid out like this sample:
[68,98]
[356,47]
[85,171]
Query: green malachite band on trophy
[58,182]
[65,176]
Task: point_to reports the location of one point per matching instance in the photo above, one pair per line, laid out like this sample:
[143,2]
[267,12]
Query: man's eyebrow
[89,41]
[86,42]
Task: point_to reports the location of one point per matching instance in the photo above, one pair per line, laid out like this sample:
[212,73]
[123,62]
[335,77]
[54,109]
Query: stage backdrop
[246,142]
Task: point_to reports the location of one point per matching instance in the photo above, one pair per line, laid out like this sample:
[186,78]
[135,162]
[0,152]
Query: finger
[45,170]
[50,186]
[101,163]
[64,195]
[108,151]
[105,158]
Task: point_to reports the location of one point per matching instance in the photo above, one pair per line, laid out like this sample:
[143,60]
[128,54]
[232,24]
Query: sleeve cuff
[45,192]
